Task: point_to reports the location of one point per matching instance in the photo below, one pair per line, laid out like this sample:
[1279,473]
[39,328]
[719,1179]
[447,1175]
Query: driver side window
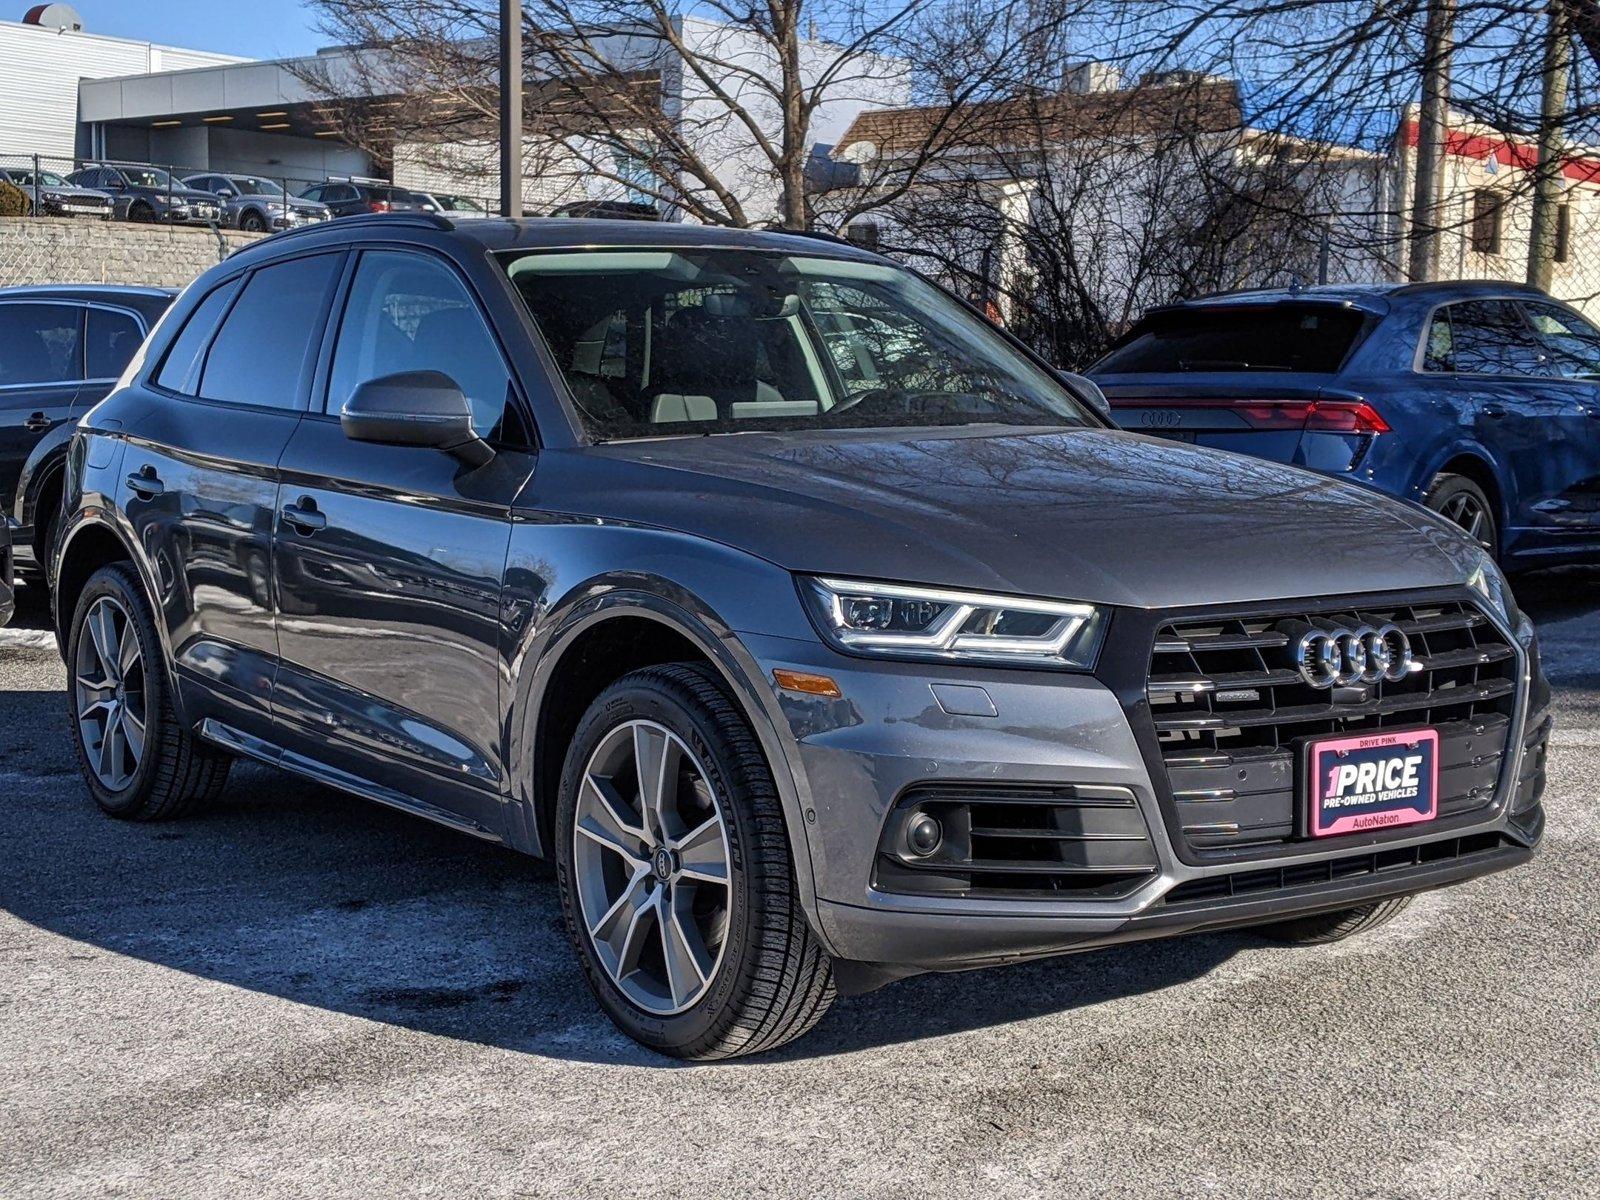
[409,312]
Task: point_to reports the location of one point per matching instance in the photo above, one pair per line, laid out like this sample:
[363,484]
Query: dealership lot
[301,994]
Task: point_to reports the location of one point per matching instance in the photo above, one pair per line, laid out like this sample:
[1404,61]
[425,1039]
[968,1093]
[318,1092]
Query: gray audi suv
[817,631]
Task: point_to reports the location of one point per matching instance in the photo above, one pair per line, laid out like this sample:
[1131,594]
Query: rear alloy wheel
[1464,504]
[676,877]
[138,761]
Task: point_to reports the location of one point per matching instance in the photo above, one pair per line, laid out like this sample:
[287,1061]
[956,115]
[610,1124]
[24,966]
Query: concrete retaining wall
[76,250]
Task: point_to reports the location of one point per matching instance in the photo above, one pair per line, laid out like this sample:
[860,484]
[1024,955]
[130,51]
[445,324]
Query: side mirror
[1087,391]
[415,408]
[227,193]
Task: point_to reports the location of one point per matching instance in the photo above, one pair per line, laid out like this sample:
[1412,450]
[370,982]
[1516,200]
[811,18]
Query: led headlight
[1490,582]
[905,621]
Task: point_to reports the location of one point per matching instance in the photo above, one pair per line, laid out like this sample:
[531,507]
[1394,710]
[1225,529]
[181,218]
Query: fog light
[924,835]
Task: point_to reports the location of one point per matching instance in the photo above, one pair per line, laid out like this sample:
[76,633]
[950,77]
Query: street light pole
[511,108]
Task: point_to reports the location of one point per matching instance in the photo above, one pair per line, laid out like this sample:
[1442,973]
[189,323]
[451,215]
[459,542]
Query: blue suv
[1479,400]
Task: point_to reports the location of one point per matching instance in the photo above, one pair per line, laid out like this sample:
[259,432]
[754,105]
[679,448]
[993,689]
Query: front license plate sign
[1376,781]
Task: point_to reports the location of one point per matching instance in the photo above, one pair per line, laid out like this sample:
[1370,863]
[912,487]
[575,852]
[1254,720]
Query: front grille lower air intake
[1231,712]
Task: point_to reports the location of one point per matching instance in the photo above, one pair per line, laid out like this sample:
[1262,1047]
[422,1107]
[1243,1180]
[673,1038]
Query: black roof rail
[416,220]
[1503,285]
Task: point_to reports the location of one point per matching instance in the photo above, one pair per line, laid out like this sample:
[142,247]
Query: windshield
[1238,337]
[46,178]
[672,342]
[149,177]
[247,185]
[458,204]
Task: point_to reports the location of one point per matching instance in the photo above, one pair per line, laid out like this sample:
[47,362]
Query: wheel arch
[603,634]
[87,545]
[1474,464]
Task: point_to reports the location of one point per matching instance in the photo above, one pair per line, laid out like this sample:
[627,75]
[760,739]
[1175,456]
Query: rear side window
[40,343]
[109,344]
[1314,338]
[1485,337]
[261,350]
[181,370]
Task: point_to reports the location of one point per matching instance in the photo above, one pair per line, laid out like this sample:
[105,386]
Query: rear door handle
[303,516]
[1494,411]
[146,484]
[37,423]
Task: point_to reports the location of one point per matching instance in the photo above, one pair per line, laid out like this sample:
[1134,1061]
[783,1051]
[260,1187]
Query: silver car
[258,205]
[52,196]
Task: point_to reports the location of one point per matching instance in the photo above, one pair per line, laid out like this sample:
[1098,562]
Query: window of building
[1563,249]
[1487,214]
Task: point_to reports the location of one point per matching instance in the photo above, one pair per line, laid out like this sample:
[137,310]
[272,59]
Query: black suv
[819,632]
[61,350]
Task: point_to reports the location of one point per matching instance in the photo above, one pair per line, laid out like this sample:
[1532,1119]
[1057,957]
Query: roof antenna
[1295,285]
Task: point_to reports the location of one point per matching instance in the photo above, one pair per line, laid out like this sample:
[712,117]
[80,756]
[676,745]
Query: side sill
[229,738]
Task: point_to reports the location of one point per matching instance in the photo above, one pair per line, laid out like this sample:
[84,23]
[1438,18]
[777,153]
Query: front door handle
[1493,411]
[303,516]
[146,484]
[37,423]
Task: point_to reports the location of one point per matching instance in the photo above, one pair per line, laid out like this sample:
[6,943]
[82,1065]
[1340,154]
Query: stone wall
[81,250]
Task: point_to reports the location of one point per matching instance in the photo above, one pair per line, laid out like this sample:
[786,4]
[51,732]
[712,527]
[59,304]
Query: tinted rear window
[1280,337]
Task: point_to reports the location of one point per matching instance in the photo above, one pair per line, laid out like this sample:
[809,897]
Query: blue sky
[256,28]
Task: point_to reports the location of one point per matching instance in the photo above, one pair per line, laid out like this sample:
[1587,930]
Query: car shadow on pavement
[295,891]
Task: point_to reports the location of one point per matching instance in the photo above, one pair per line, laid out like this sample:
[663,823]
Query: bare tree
[710,110]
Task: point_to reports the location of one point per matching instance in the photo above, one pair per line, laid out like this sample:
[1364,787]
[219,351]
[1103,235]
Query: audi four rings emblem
[1342,657]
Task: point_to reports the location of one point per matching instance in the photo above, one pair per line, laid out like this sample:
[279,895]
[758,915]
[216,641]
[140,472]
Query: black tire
[774,981]
[142,214]
[1456,498]
[1321,928]
[177,771]
[251,222]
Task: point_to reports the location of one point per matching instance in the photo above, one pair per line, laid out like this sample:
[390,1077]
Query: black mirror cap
[415,408]
[1086,390]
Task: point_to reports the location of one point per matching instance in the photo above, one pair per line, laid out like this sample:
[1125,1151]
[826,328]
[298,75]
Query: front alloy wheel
[677,881]
[650,857]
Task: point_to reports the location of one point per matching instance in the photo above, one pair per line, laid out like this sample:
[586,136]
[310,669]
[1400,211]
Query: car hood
[1093,515]
[73,193]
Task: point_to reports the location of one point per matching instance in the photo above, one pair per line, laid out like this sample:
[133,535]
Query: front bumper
[851,759]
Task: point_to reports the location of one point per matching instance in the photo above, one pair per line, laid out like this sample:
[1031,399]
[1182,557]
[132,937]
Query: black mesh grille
[1231,712]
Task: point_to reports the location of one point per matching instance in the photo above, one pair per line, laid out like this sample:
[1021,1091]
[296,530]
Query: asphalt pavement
[298,994]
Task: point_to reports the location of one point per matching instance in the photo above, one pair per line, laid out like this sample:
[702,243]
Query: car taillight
[1317,416]
[377,206]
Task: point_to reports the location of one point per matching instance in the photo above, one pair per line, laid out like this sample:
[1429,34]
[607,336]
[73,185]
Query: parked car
[149,194]
[362,197]
[1478,400]
[257,205]
[455,207]
[615,210]
[809,670]
[61,350]
[52,196]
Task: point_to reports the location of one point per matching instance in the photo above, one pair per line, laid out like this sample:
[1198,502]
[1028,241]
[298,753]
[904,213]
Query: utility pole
[511,108]
[1432,132]
[1552,112]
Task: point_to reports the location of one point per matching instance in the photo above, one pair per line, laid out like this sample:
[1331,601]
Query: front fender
[542,632]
